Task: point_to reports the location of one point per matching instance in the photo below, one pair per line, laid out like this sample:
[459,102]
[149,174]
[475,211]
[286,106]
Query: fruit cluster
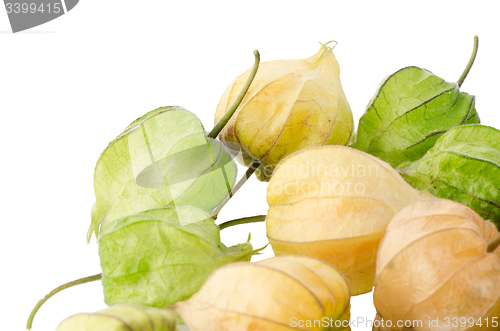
[402,208]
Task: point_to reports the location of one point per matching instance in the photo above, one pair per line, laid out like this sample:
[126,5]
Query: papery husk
[291,105]
[433,264]
[463,166]
[410,110]
[378,324]
[312,211]
[122,317]
[267,295]
[161,256]
[149,165]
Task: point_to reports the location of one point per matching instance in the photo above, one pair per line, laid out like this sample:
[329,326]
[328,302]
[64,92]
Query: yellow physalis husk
[122,317]
[433,266]
[334,203]
[291,105]
[379,324]
[278,294]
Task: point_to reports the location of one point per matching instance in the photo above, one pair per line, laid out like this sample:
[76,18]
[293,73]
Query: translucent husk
[291,105]
[269,295]
[433,264]
[334,203]
[122,317]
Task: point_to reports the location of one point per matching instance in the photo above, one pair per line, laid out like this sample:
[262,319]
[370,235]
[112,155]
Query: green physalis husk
[122,317]
[158,257]
[161,159]
[464,166]
[411,109]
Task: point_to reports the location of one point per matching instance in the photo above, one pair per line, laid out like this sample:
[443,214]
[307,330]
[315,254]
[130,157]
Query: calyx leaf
[464,166]
[411,109]
[162,159]
[158,257]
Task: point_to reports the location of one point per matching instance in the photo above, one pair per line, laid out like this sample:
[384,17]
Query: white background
[68,87]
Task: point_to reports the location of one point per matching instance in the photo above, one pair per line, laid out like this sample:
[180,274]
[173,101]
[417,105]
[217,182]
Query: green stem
[223,121]
[57,290]
[248,174]
[471,62]
[494,245]
[245,220]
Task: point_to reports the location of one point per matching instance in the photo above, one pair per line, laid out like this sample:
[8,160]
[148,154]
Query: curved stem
[57,290]
[244,220]
[471,62]
[248,173]
[493,245]
[223,121]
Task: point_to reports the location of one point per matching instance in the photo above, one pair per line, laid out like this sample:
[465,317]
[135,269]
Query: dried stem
[494,245]
[245,220]
[471,62]
[57,290]
[248,173]
[223,121]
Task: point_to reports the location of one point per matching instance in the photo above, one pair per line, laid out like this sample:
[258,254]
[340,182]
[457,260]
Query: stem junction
[255,164]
